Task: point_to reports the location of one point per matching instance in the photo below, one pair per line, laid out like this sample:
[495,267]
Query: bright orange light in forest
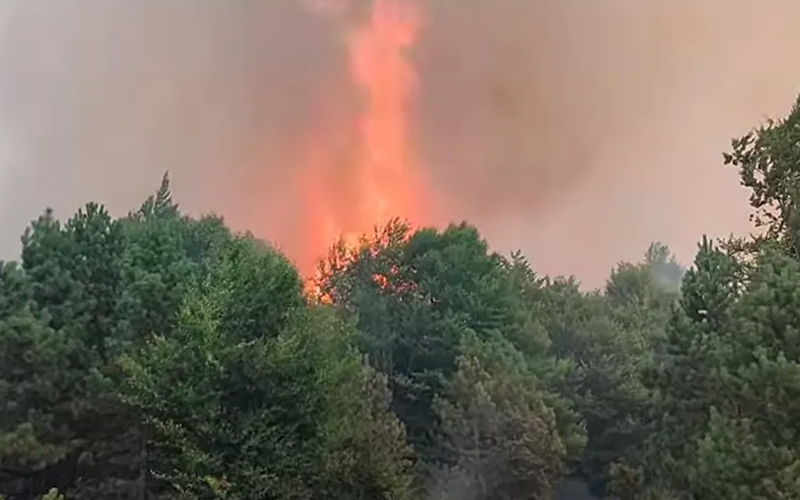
[380,178]
[385,166]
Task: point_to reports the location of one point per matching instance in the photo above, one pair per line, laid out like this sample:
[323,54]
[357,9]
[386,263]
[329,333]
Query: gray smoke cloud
[578,131]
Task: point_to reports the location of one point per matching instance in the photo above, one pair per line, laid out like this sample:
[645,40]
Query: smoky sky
[578,131]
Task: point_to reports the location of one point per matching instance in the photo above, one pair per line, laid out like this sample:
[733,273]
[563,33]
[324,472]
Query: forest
[161,356]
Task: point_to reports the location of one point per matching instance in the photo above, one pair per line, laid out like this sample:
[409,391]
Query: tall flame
[379,68]
[384,174]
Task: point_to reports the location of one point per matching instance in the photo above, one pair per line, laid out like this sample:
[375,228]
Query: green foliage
[64,407]
[609,339]
[500,438]
[32,360]
[767,159]
[257,289]
[416,295]
[288,411]
[726,392]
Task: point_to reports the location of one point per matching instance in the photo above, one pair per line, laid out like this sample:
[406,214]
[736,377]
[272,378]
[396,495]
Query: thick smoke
[576,130]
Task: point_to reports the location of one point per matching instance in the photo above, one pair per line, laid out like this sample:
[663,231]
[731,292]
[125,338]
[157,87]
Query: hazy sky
[576,130]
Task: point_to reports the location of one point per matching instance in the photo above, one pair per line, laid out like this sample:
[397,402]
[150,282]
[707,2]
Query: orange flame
[384,175]
[378,66]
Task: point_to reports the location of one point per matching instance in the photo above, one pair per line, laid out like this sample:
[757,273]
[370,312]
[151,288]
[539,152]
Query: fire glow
[383,171]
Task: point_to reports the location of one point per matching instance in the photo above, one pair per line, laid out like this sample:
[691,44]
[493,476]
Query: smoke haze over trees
[162,356]
[547,124]
[151,350]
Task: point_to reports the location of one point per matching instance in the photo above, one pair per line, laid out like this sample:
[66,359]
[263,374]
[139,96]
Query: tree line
[160,356]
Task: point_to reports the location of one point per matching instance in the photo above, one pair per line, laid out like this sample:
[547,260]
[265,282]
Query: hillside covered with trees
[159,356]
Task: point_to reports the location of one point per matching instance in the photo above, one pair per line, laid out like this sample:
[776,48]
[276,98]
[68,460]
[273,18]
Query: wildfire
[381,174]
